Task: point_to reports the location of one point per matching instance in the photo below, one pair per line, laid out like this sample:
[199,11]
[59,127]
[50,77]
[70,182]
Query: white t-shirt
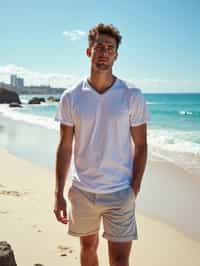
[103,150]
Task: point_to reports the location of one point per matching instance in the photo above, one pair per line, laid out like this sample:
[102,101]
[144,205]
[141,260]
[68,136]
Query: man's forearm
[139,164]
[63,159]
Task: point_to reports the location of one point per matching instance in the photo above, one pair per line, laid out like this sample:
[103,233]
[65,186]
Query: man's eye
[111,48]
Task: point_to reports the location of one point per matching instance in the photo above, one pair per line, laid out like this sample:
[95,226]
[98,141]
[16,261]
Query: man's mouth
[103,59]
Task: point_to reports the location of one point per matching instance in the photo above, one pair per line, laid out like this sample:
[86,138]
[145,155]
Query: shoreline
[19,123]
[28,224]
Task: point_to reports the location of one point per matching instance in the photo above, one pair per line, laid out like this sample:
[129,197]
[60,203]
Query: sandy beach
[29,225]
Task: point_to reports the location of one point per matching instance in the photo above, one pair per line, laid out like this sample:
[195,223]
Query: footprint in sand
[64,251]
[3,212]
[14,193]
[36,227]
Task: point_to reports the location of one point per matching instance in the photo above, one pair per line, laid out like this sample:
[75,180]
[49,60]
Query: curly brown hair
[107,29]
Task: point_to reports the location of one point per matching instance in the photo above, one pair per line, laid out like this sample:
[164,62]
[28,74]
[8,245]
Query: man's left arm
[139,137]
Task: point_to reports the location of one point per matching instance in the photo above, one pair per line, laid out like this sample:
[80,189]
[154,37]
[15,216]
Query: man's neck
[101,81]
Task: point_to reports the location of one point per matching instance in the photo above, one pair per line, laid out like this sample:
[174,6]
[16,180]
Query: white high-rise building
[20,83]
[13,79]
[16,82]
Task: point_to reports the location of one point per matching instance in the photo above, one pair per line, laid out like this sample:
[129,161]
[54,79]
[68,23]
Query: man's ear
[88,52]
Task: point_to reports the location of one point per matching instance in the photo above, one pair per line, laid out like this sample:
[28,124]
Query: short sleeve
[64,112]
[138,114]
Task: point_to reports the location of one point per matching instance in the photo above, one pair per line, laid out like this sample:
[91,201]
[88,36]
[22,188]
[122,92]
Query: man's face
[103,53]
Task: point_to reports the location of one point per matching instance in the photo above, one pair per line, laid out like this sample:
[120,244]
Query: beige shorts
[117,211]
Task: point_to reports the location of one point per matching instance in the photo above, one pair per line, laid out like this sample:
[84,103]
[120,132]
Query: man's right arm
[63,159]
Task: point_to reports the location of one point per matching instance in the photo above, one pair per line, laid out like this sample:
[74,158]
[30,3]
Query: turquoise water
[43,109]
[175,111]
[174,117]
[40,110]
[173,130]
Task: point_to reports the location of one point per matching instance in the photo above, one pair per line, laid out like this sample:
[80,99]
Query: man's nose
[104,50]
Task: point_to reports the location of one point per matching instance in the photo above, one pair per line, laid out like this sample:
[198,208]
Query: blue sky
[45,42]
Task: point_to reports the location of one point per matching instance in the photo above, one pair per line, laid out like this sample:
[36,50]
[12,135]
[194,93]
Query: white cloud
[37,78]
[74,34]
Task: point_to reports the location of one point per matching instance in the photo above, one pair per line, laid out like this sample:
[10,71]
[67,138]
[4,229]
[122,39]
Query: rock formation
[7,96]
[7,257]
[36,100]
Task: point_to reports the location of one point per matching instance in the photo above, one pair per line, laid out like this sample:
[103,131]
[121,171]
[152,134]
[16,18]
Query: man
[107,119]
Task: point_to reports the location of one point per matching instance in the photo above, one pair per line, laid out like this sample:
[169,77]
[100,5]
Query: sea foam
[42,121]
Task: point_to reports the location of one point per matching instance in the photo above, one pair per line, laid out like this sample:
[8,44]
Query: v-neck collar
[88,87]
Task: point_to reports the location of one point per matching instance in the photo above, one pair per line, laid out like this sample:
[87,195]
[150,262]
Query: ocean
[173,131]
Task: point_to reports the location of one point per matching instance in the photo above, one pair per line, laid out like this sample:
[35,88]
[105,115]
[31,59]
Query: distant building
[41,90]
[17,83]
[20,83]
[13,80]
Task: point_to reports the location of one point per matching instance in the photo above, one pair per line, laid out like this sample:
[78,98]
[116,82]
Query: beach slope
[27,222]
